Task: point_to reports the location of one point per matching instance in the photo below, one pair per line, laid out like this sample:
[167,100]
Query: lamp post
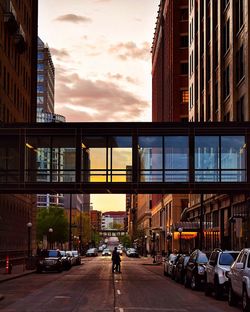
[145,246]
[29,226]
[180,230]
[50,237]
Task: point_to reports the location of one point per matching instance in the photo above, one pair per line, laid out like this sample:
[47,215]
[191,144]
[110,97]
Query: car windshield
[172,257]
[63,253]
[228,258]
[106,250]
[132,250]
[202,258]
[75,253]
[53,253]
[186,260]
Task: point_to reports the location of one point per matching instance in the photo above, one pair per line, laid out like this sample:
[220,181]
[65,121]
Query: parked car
[132,252]
[216,272]
[195,270]
[71,256]
[77,257]
[119,250]
[106,252]
[169,264]
[66,260]
[239,280]
[92,252]
[52,261]
[180,268]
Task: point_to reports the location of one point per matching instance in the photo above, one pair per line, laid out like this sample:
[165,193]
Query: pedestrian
[114,253]
[116,261]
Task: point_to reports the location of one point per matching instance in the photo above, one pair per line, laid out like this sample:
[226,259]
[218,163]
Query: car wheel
[232,300]
[193,283]
[186,282]
[245,301]
[217,290]
[208,289]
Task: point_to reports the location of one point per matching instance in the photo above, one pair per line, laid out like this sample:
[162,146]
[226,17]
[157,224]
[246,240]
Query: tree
[117,226]
[55,218]
[125,240]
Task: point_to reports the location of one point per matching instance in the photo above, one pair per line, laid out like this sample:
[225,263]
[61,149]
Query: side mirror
[239,266]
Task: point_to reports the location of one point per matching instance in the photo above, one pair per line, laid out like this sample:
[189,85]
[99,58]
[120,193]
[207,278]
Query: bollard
[8,267]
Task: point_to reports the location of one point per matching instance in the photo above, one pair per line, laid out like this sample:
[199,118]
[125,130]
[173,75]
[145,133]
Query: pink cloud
[129,50]
[81,99]
[73,18]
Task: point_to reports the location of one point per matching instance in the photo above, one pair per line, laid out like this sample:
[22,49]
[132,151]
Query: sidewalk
[17,271]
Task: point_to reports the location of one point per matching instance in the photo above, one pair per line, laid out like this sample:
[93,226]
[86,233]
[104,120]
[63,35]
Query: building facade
[18,51]
[219,90]
[113,220]
[96,220]
[170,98]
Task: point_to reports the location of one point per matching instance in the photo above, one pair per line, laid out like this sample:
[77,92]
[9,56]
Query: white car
[169,264]
[106,252]
[239,280]
[216,271]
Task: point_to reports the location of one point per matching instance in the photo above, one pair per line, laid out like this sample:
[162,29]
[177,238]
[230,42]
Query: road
[92,287]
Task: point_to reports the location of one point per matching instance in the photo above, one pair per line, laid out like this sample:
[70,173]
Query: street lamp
[50,237]
[180,230]
[145,246]
[29,226]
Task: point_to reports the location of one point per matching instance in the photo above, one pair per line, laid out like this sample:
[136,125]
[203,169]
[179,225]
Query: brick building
[18,65]
[169,103]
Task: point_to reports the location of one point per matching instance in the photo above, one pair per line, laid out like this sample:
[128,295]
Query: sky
[101,52]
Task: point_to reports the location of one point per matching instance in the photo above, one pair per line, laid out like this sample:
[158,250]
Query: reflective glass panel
[233,158]
[176,153]
[120,158]
[207,158]
[151,158]
[94,159]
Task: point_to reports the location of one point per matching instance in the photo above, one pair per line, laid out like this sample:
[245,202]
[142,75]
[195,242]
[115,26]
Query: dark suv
[195,270]
[51,260]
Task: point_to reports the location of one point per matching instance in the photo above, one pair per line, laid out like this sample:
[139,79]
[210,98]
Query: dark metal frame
[79,130]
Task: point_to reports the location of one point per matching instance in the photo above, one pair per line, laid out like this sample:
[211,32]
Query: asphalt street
[93,287]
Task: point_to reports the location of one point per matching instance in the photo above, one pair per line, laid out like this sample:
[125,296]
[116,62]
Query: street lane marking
[118,292]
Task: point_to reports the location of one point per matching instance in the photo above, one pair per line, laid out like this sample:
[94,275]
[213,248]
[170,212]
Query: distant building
[113,220]
[95,220]
[45,79]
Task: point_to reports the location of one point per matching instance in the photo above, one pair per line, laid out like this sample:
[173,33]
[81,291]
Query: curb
[15,277]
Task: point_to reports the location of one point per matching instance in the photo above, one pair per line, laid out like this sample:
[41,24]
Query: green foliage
[55,218]
[117,226]
[126,241]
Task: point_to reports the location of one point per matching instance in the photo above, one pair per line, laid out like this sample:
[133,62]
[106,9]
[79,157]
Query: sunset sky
[101,52]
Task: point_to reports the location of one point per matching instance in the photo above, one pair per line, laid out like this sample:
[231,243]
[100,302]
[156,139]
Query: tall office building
[18,52]
[219,90]
[169,102]
[45,79]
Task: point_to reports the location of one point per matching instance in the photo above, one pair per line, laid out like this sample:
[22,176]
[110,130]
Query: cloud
[129,50]
[60,54]
[73,18]
[81,99]
[121,77]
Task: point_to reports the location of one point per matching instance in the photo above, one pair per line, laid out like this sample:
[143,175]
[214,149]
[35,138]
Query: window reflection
[151,158]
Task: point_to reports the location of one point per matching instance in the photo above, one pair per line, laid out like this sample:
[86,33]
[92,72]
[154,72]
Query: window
[184,41]
[239,14]
[226,36]
[240,64]
[240,109]
[184,68]
[226,83]
[40,67]
[40,56]
[184,96]
[40,99]
[40,89]
[184,14]
[40,78]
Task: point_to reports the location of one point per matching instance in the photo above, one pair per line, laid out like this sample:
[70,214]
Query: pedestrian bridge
[125,158]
